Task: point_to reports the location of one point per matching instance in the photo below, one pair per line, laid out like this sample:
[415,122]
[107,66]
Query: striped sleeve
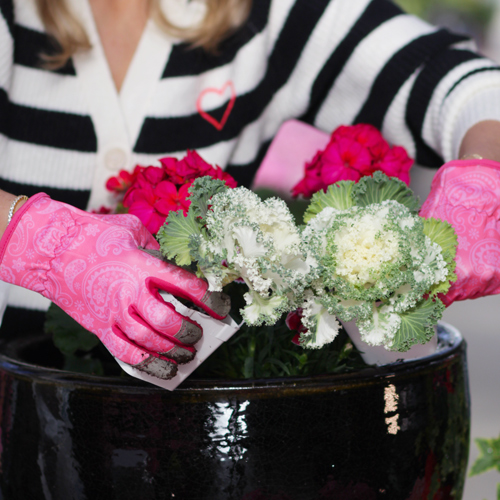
[6,58]
[421,85]
[339,62]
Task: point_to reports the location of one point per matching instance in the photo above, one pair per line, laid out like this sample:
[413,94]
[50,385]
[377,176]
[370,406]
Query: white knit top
[327,62]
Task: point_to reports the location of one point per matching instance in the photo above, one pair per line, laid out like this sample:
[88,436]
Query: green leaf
[380,187]
[87,364]
[417,324]
[489,456]
[338,196]
[442,233]
[68,335]
[176,235]
[201,191]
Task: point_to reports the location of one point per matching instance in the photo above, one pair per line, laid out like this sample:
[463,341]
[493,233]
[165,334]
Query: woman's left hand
[466,193]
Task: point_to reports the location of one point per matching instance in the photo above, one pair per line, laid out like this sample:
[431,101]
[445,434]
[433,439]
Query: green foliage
[478,11]
[68,335]
[76,344]
[268,352]
[489,457]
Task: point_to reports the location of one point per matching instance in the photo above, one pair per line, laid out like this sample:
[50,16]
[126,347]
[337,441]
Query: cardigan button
[115,159]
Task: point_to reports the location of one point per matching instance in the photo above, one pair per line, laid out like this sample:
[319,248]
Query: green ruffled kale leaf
[367,191]
[380,187]
[338,196]
[176,236]
[201,191]
[417,324]
[442,233]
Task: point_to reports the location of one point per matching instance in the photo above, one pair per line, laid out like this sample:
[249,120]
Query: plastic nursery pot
[395,432]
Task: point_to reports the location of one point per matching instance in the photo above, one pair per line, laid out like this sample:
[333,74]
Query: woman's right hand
[94,268]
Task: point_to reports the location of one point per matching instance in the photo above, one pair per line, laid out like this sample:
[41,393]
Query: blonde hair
[222,18]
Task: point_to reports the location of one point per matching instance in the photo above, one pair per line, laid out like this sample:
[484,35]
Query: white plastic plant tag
[215,332]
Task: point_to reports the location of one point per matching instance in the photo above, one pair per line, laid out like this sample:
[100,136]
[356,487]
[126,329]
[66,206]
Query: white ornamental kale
[233,234]
[379,262]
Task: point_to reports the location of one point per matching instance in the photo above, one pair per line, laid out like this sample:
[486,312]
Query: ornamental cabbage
[233,234]
[379,263]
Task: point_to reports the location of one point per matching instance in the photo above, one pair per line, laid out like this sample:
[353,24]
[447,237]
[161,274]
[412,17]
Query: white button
[115,159]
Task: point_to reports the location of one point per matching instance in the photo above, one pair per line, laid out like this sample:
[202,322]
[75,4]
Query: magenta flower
[353,152]
[345,160]
[153,192]
[143,206]
[153,204]
[123,180]
[169,198]
[396,163]
[367,135]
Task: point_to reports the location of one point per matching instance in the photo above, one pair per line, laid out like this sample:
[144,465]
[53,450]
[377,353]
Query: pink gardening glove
[92,267]
[466,193]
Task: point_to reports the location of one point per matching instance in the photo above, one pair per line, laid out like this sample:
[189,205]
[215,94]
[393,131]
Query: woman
[129,82]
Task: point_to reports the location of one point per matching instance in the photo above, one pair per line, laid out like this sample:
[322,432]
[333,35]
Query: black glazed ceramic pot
[400,432]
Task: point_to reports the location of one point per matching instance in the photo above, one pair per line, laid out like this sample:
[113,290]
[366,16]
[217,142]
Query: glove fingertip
[157,367]
[218,302]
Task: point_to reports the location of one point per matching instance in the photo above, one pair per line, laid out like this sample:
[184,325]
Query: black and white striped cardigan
[327,62]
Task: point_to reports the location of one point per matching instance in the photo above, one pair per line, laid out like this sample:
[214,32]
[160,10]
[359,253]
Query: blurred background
[478,320]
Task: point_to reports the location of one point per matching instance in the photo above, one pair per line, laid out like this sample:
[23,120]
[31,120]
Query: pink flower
[294,322]
[191,167]
[396,163]
[123,180]
[353,152]
[218,173]
[311,182]
[345,160]
[143,206]
[102,210]
[154,192]
[170,199]
[153,204]
[148,177]
[367,135]
[153,175]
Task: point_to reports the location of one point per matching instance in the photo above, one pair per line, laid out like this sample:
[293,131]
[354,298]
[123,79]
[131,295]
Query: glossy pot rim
[453,347]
